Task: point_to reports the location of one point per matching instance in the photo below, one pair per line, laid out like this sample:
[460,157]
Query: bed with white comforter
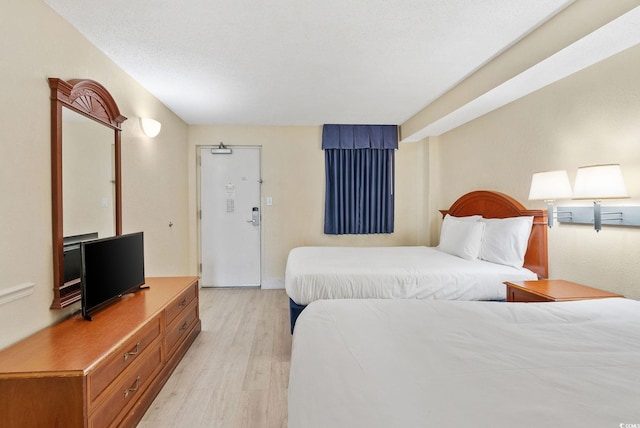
[425,363]
[486,238]
[314,273]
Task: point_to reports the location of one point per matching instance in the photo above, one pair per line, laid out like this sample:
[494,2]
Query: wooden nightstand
[552,290]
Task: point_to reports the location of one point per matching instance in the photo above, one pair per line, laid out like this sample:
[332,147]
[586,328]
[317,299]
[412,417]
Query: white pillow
[462,238]
[505,240]
[466,218]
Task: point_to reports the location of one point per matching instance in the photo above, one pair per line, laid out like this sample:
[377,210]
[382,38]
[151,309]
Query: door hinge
[200,214]
[200,268]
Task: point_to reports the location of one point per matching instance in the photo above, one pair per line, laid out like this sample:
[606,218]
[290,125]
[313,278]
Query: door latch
[255,216]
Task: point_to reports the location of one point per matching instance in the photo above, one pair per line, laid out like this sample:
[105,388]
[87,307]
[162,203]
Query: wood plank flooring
[236,373]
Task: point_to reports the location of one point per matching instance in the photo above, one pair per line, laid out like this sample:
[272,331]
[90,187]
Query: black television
[111,267]
[72,257]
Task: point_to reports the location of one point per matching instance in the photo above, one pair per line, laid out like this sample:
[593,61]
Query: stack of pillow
[502,240]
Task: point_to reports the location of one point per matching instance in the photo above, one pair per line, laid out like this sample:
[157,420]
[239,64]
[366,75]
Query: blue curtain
[359,169]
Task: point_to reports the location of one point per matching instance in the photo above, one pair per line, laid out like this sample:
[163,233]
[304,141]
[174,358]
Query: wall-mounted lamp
[150,127]
[549,186]
[600,182]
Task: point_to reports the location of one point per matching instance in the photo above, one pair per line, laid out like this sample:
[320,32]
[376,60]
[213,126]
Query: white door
[230,216]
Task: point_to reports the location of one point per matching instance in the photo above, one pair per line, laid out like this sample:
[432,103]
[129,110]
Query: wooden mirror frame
[92,100]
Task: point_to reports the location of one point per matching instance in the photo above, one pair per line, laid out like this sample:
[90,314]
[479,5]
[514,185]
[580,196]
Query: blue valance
[360,137]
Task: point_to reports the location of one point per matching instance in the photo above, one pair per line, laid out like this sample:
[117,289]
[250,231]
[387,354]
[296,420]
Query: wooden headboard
[490,204]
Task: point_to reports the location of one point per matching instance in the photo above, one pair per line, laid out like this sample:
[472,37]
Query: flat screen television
[111,267]
[72,257]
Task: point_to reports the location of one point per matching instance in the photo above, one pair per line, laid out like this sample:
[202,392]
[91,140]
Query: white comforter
[315,273]
[423,363]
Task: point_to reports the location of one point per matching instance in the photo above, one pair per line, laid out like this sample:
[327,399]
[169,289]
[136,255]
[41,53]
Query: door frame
[199,200]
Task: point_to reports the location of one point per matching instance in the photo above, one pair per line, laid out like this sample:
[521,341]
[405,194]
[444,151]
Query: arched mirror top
[91,100]
[87,97]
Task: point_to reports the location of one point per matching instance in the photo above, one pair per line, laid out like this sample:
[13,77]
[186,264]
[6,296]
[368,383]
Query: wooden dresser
[104,372]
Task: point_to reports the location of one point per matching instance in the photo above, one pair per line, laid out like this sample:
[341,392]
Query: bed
[314,273]
[425,363]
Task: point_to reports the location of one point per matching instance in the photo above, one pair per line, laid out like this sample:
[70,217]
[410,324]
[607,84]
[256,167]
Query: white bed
[424,363]
[315,273]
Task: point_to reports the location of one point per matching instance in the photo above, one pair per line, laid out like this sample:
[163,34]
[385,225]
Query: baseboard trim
[272,284]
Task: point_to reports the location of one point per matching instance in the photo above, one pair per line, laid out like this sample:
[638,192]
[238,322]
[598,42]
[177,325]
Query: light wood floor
[236,373]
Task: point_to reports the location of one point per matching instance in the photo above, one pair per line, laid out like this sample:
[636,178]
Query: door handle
[255,216]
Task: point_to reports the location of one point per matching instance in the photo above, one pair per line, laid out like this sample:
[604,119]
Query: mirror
[86,188]
[88,177]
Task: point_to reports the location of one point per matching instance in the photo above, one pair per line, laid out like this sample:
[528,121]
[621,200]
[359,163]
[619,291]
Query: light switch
[269,200]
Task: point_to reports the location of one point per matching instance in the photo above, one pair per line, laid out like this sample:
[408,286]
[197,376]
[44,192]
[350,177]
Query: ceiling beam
[576,21]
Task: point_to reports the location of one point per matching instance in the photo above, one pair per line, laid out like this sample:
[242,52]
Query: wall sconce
[549,186]
[150,127]
[600,182]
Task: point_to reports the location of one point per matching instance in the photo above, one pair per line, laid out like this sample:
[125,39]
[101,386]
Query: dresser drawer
[180,304]
[123,357]
[180,327]
[127,388]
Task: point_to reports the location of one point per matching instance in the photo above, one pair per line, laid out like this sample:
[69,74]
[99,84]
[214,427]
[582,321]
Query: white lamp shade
[550,186]
[150,127]
[599,182]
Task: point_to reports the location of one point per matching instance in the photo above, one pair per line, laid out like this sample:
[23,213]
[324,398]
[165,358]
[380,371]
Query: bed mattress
[413,363]
[314,273]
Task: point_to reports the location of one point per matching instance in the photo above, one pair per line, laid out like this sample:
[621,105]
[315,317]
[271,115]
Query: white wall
[589,118]
[35,43]
[293,174]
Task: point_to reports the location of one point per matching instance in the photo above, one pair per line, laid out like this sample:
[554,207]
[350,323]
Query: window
[359,171]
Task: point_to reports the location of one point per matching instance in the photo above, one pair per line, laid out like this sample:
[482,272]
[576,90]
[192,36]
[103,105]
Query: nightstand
[552,290]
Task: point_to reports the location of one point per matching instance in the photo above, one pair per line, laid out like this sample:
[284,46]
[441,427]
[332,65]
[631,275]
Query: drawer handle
[183,303]
[133,388]
[184,326]
[134,352]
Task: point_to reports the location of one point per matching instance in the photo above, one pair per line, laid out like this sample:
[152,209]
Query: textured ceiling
[302,62]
